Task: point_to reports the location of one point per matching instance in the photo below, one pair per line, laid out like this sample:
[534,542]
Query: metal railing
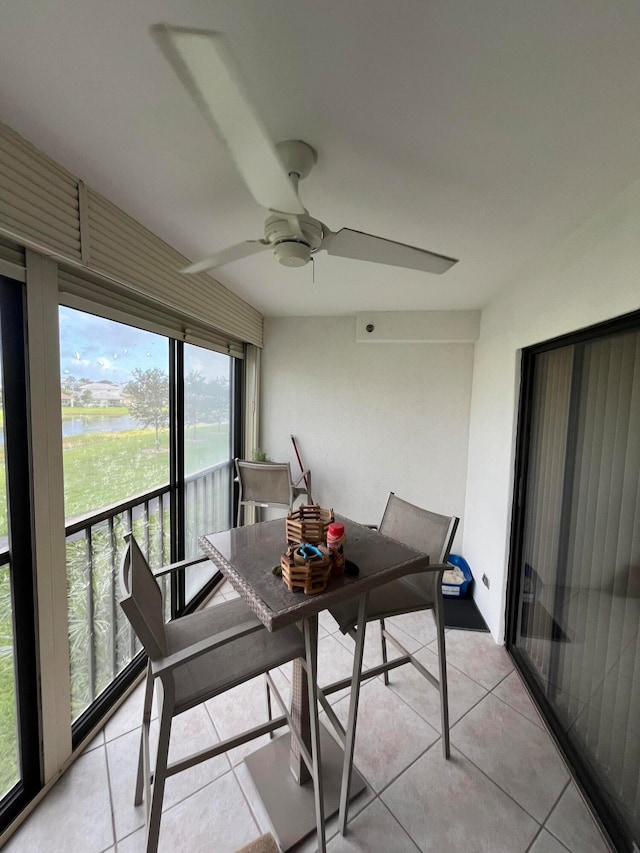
[101,641]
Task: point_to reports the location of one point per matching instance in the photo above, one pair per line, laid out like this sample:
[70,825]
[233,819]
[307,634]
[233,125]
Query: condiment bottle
[335,543]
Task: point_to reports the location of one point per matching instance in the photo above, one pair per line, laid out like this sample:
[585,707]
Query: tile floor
[505,789]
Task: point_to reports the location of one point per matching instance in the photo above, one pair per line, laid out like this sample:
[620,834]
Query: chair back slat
[142,600]
[418,528]
[265,482]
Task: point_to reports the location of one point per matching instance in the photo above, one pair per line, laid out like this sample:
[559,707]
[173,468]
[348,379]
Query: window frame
[19,509]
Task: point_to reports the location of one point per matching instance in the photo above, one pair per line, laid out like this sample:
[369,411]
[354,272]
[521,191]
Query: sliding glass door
[574,626]
[208,451]
[147,430]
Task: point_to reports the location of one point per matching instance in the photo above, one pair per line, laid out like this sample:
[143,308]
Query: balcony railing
[101,641]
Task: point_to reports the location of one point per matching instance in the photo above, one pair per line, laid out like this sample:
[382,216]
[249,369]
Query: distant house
[103,394]
[66,399]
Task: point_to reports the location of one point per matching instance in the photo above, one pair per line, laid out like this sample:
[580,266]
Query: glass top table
[246,556]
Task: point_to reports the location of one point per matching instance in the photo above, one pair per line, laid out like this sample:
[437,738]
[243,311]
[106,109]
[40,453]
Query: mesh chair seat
[225,668]
[392,599]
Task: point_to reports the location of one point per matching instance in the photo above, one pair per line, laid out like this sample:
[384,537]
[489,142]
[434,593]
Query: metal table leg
[279,772]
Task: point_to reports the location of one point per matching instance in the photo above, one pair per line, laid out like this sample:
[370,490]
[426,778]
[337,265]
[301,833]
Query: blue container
[450,590]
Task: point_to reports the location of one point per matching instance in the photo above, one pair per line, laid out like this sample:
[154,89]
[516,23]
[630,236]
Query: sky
[98,349]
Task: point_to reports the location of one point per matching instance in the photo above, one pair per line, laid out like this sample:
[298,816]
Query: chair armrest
[208,644]
[181,564]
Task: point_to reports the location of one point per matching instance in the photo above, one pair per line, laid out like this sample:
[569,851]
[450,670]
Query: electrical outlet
[485,581]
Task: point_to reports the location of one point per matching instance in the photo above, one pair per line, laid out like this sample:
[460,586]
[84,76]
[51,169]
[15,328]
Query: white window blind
[95,294]
[44,207]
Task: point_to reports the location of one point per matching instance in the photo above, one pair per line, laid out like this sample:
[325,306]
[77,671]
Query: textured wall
[368,418]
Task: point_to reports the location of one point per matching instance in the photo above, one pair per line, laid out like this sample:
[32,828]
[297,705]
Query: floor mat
[462,613]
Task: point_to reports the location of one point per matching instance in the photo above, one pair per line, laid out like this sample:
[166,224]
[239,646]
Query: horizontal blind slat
[40,207]
[38,199]
[39,234]
[49,205]
[34,164]
[119,244]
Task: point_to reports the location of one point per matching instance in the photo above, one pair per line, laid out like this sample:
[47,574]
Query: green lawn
[104,468]
[103,411]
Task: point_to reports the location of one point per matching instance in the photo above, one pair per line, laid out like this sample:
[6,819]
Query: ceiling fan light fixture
[291,253]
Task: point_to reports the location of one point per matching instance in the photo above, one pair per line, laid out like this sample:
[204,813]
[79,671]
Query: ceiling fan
[271,172]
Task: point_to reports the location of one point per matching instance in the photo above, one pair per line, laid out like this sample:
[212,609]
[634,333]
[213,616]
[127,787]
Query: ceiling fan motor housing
[290,248]
[290,253]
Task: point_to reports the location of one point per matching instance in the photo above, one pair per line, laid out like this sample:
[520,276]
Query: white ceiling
[480,130]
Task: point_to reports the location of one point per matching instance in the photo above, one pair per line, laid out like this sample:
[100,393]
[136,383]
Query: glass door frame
[179,604]
[610,824]
[82,726]
[18,470]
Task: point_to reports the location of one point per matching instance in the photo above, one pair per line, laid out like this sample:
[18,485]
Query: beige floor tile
[571,823]
[242,708]
[452,806]
[420,625]
[374,828]
[122,759]
[75,815]
[327,622]
[546,843]
[335,662]
[476,654]
[515,753]
[216,818]
[514,693]
[373,644]
[129,716]
[389,734]
[414,689]
[191,732]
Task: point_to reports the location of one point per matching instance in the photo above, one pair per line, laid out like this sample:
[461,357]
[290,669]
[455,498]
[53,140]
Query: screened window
[147,428]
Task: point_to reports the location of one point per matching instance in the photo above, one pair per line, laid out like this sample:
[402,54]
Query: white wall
[368,418]
[592,276]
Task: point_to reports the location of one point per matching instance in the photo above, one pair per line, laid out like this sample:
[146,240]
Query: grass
[85,411]
[105,468]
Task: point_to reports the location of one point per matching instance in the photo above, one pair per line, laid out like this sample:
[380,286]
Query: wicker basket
[308,524]
[311,576]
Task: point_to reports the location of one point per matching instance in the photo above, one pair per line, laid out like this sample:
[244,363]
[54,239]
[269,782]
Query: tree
[195,394]
[149,391]
[86,398]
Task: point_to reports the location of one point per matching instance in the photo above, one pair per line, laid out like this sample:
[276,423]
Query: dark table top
[247,555]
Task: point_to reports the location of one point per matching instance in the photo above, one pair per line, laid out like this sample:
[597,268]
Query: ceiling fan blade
[227,256]
[365,247]
[204,64]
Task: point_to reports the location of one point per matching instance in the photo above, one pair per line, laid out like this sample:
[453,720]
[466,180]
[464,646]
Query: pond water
[80,424]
